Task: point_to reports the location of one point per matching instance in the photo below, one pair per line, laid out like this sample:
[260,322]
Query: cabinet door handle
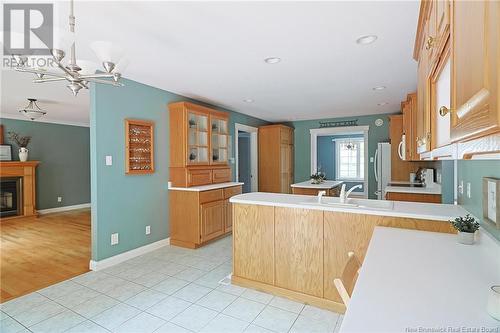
[443,111]
[430,42]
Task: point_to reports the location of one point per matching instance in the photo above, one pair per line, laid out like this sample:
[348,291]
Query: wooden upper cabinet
[409,110]
[422,119]
[442,10]
[475,66]
[199,139]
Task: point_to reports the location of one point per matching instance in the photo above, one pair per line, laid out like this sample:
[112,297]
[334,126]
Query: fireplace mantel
[26,170]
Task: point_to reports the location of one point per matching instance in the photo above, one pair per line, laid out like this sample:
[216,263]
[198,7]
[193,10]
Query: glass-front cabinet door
[198,147]
[219,140]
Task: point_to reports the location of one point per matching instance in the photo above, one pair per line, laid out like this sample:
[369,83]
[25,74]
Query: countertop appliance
[425,176]
[382,168]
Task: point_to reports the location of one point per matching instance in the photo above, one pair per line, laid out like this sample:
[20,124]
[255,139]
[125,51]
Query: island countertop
[427,211]
[327,184]
[430,282]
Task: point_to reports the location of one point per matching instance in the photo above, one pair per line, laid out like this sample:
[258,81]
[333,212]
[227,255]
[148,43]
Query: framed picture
[5,153]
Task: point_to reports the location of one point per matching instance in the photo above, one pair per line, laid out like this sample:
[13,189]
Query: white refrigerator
[382,168]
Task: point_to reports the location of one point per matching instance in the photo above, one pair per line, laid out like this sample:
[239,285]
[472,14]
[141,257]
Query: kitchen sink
[351,203]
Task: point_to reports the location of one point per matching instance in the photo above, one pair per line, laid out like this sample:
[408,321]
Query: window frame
[359,141]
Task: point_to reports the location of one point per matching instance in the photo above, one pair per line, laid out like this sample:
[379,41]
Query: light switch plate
[114,239]
[491,201]
[109,160]
[468,190]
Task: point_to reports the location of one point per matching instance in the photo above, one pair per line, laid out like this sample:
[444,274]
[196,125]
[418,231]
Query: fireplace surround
[10,196]
[18,196]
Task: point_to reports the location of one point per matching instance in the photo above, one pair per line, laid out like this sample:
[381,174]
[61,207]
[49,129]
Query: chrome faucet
[345,195]
[320,195]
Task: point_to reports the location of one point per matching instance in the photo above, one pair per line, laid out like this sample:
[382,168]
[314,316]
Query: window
[350,159]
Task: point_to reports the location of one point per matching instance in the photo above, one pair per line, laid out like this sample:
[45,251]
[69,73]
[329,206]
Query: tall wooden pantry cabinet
[275,158]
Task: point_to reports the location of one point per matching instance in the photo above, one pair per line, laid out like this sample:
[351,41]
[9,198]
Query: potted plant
[466,227]
[22,142]
[318,178]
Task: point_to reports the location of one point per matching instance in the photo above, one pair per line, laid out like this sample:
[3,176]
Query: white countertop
[205,187]
[435,189]
[417,279]
[327,184]
[440,212]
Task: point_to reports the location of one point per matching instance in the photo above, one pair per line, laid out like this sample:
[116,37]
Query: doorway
[246,157]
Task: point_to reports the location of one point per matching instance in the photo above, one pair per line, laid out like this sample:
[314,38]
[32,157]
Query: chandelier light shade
[32,110]
[77,74]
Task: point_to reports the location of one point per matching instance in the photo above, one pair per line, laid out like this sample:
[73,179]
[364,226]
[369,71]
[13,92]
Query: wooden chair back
[345,285]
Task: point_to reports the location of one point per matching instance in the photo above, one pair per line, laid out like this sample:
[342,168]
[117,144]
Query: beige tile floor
[169,290]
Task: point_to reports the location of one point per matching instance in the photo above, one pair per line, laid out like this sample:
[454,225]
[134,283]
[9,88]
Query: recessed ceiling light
[248,100]
[363,40]
[379,88]
[382,104]
[272,60]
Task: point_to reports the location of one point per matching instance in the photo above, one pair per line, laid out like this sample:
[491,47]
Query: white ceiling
[214,51]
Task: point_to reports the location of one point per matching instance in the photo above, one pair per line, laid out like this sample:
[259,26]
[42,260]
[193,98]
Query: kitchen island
[331,187]
[294,246]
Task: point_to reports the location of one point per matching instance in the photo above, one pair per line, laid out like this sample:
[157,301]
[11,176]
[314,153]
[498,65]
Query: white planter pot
[23,154]
[466,238]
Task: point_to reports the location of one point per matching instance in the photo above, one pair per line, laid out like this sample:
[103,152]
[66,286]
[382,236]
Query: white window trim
[337,161]
[315,132]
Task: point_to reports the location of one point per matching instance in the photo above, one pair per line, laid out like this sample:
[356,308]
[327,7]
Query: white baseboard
[63,209]
[119,258]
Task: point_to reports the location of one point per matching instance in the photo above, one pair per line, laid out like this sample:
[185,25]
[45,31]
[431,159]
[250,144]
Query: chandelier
[72,72]
[32,111]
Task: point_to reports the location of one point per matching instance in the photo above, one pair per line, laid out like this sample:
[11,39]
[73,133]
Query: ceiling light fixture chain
[71,72]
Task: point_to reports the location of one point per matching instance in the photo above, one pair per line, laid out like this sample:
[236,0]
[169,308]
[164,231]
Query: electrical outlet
[109,160]
[59,199]
[468,190]
[114,239]
[148,229]
[461,187]
[371,159]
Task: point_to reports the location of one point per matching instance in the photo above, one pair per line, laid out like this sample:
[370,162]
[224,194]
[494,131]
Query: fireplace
[10,196]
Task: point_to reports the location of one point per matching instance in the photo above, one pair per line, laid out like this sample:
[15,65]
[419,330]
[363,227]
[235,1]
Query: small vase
[466,238]
[23,154]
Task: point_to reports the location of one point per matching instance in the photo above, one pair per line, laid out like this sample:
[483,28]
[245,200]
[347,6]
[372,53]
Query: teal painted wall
[447,170]
[473,171]
[326,158]
[128,203]
[64,155]
[303,144]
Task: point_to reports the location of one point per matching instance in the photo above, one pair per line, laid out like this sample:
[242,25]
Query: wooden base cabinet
[197,217]
[297,253]
[413,197]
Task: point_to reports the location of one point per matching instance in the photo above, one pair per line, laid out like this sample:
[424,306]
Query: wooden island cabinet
[298,252]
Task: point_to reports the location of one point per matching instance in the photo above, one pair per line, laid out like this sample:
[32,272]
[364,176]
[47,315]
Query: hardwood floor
[38,252]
